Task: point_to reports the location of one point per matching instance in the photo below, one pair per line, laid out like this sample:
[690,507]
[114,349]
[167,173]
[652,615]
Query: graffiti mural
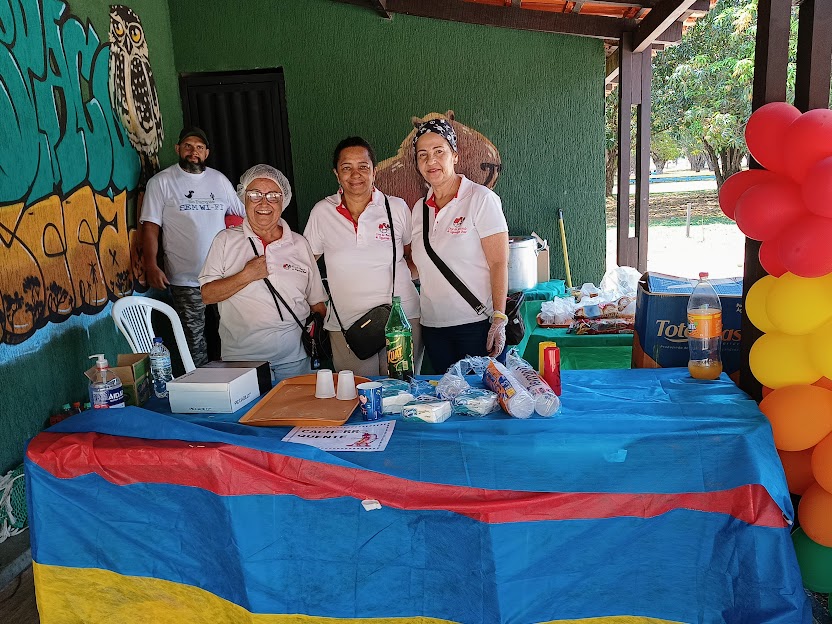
[479,161]
[68,171]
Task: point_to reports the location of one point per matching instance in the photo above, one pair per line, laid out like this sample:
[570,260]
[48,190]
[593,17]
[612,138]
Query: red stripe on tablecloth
[230,470]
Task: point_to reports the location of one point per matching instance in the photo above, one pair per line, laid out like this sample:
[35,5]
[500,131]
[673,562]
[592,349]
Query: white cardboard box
[213,390]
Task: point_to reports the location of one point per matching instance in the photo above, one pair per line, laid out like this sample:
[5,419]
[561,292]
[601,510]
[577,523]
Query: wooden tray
[292,402]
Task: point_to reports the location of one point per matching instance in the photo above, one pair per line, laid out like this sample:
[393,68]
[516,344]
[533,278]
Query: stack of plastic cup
[324,384]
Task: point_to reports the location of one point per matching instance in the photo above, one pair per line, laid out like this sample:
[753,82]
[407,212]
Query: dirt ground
[673,206]
[713,243]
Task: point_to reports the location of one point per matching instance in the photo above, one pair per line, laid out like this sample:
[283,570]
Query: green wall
[538,97]
[45,370]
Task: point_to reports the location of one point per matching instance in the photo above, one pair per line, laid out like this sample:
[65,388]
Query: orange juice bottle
[704,331]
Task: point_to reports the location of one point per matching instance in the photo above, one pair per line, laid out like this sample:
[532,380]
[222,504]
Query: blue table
[649,495]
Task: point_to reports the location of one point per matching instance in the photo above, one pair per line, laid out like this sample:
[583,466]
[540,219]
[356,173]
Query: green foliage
[663,147]
[702,87]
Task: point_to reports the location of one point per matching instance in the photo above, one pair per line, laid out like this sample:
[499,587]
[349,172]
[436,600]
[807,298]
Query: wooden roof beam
[521,19]
[661,18]
[380,7]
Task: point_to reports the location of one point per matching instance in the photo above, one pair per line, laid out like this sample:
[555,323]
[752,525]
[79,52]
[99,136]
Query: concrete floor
[17,600]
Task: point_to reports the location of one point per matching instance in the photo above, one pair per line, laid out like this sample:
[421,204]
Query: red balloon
[765,131]
[739,183]
[817,189]
[805,247]
[770,257]
[764,210]
[808,140]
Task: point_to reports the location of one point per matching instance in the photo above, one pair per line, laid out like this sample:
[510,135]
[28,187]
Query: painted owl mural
[479,161]
[133,90]
[79,121]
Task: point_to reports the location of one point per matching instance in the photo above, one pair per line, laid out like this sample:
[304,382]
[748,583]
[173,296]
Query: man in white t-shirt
[189,202]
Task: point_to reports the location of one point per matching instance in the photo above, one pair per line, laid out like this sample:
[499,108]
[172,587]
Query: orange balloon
[822,464]
[815,512]
[798,468]
[800,416]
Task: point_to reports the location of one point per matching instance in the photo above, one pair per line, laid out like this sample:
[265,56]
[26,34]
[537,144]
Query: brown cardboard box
[543,269]
[133,369]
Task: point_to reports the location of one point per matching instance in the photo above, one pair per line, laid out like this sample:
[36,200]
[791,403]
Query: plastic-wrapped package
[475,402]
[453,382]
[511,394]
[420,387]
[546,402]
[428,409]
[390,387]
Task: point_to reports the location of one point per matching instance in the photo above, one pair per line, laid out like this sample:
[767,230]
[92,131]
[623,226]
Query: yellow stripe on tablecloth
[92,596]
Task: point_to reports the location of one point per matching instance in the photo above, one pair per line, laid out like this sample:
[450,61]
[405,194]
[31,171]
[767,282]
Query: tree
[702,87]
[611,140]
[663,148]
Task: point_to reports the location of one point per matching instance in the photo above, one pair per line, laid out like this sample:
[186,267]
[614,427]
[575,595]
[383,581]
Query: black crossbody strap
[446,271]
[393,239]
[276,295]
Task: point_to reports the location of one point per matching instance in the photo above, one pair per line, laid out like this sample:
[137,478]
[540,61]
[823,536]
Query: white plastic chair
[132,317]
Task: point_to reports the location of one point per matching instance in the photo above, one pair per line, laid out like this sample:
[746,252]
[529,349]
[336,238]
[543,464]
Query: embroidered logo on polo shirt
[293,267]
[457,227]
[383,233]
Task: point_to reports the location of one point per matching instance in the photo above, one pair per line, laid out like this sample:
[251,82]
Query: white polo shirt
[475,213]
[359,256]
[190,208]
[250,327]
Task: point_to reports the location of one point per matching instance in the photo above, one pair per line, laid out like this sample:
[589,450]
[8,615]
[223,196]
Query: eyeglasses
[257,196]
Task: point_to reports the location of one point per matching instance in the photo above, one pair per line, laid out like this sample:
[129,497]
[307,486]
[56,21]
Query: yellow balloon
[778,360]
[799,305]
[820,349]
[755,304]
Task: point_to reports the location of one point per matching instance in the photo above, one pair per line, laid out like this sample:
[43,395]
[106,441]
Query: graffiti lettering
[67,170]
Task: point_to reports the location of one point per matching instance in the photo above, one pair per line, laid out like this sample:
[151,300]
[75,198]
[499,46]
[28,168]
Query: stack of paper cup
[324,384]
[346,385]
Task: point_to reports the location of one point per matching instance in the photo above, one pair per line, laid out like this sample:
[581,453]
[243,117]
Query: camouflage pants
[187,301]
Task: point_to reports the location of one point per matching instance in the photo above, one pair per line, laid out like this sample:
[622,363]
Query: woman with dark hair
[356,230]
[467,231]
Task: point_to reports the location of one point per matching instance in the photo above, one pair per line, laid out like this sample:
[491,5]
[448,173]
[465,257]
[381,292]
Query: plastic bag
[475,402]
[511,394]
[453,382]
[620,282]
[546,402]
[557,312]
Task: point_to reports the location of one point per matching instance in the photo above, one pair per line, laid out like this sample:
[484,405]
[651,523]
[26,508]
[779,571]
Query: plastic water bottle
[704,331]
[160,368]
[399,341]
[106,390]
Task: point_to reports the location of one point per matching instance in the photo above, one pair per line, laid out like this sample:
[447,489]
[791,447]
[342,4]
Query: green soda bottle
[399,336]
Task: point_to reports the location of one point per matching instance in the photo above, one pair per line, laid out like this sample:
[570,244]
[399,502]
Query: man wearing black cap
[189,202]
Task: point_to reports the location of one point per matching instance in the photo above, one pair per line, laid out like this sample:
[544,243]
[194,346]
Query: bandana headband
[441,127]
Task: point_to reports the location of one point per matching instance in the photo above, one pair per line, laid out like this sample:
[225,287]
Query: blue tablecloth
[650,494]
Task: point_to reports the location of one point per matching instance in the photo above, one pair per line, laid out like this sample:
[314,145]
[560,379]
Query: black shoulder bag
[310,333]
[515,328]
[366,337]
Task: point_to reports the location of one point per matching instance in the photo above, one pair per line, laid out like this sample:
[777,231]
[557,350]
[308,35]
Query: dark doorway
[244,115]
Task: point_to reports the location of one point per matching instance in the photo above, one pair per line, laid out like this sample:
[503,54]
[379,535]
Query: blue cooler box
[660,339]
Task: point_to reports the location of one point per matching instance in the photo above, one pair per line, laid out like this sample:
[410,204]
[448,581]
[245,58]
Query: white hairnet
[269,173]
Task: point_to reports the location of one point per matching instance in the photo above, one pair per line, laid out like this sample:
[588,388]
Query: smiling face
[355,171]
[435,159]
[263,215]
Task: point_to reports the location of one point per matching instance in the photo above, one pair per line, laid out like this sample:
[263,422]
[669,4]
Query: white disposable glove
[496,341]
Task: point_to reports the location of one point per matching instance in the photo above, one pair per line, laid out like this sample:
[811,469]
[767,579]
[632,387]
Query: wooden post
[770,69]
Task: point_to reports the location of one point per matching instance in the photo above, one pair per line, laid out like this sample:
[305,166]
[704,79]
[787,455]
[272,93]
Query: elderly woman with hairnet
[244,260]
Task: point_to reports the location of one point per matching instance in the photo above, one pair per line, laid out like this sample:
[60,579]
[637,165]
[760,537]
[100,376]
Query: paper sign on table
[363,437]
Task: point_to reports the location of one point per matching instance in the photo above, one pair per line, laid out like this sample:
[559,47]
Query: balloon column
[788,207]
